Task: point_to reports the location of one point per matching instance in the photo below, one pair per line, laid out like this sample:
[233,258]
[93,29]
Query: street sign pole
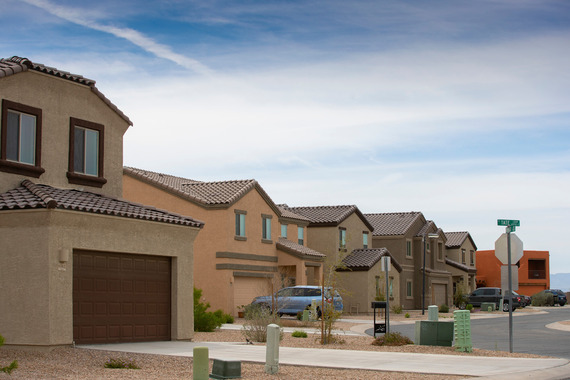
[510,227]
[510,291]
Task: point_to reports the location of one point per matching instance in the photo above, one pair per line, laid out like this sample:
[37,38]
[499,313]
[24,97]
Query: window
[440,252]
[300,235]
[472,257]
[240,225]
[283,230]
[266,228]
[20,148]
[462,255]
[408,288]
[86,153]
[342,239]
[408,248]
[365,239]
[391,287]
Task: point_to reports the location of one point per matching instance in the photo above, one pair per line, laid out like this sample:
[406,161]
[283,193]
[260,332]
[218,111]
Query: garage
[247,288]
[439,296]
[120,297]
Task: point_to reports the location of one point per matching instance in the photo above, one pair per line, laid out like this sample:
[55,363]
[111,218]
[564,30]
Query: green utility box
[434,333]
[488,306]
[226,369]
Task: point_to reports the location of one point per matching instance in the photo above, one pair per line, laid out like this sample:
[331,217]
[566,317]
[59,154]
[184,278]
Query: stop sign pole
[510,227]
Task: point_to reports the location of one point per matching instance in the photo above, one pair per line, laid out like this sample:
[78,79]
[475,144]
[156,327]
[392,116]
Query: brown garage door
[120,297]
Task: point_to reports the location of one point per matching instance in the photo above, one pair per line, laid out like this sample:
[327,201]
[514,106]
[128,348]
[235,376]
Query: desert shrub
[542,299]
[469,307]
[121,363]
[224,317]
[444,308]
[407,315]
[392,339]
[299,334]
[8,369]
[205,321]
[396,309]
[256,319]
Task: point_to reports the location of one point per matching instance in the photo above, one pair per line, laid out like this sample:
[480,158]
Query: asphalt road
[530,334]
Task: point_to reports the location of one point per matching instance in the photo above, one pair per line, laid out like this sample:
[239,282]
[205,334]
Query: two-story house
[239,254]
[77,263]
[419,247]
[344,235]
[460,259]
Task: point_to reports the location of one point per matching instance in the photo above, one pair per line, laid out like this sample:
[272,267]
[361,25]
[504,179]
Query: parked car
[295,299]
[559,296]
[481,295]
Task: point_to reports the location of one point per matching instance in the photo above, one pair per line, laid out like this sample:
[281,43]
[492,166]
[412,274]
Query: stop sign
[501,250]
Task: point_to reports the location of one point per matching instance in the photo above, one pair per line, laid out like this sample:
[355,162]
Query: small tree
[460,298]
[12,366]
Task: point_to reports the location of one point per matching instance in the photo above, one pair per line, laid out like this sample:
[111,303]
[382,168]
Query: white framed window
[463,256]
[408,248]
[409,288]
[301,235]
[266,227]
[240,224]
[284,230]
[365,239]
[342,238]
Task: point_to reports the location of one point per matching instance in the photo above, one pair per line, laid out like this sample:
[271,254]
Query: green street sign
[508,223]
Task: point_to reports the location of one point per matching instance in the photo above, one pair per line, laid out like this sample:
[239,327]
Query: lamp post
[431,236]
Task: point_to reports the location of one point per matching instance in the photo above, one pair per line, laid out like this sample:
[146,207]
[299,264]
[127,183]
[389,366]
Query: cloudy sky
[458,109]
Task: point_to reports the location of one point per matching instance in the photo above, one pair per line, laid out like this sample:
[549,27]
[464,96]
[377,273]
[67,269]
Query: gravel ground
[78,363]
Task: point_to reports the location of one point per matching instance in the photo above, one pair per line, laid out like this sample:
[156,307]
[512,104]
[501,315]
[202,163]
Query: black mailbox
[379,328]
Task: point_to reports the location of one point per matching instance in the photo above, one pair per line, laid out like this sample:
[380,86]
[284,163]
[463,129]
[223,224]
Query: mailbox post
[380,328]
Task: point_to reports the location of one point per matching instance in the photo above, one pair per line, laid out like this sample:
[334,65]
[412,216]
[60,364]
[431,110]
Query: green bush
[299,334]
[469,307]
[392,339]
[204,320]
[8,369]
[225,318]
[407,315]
[121,363]
[542,299]
[444,308]
[397,309]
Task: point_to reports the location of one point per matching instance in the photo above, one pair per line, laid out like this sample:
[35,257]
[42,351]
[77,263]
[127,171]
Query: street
[530,334]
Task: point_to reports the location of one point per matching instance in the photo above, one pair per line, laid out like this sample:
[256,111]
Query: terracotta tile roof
[207,194]
[299,250]
[456,239]
[30,196]
[287,213]
[393,223]
[365,259]
[329,215]
[14,65]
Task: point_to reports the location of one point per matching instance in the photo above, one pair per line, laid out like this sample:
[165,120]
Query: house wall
[489,271]
[218,235]
[59,100]
[33,278]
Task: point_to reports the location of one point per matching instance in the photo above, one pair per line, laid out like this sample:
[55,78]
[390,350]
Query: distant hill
[560,281]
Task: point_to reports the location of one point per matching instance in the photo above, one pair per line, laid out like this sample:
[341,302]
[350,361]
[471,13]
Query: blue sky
[459,109]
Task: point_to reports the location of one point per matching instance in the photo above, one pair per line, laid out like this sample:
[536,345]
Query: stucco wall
[59,100]
[37,288]
[218,235]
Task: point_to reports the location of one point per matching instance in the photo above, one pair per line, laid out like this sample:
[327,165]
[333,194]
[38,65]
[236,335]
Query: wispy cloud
[78,16]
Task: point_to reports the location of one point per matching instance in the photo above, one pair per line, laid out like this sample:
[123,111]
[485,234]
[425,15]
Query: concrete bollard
[314,314]
[200,370]
[433,313]
[272,349]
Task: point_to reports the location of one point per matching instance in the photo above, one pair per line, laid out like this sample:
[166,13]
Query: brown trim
[251,274]
[267,241]
[79,178]
[260,268]
[13,167]
[245,256]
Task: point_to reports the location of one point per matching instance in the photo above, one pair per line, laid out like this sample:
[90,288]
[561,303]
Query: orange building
[533,271]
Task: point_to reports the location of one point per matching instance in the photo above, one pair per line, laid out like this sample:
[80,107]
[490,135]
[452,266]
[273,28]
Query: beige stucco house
[460,259]
[78,263]
[240,253]
[408,235]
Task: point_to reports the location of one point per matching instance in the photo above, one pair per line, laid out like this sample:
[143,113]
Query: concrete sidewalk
[369,360]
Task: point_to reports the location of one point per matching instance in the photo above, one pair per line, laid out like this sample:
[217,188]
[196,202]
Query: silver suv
[295,299]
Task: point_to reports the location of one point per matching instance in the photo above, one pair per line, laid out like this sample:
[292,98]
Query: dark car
[559,296]
[295,299]
[494,295]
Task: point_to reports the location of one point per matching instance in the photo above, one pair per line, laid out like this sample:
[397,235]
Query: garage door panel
[247,288]
[122,305]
